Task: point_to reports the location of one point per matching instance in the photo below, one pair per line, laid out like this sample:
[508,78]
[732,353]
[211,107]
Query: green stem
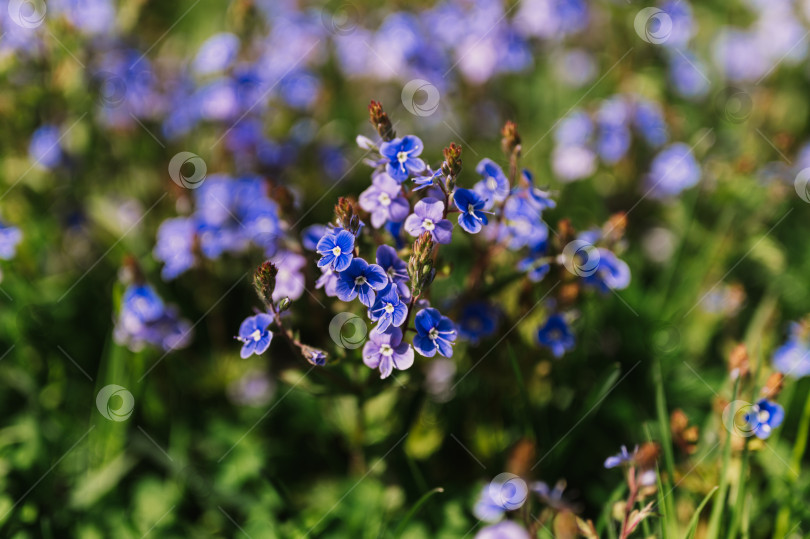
[738,505]
[666,441]
[799,447]
[414,509]
[717,510]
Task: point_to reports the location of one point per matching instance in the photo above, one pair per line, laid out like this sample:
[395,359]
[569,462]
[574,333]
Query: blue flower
[556,335]
[395,268]
[486,508]
[673,170]
[310,236]
[793,357]
[495,185]
[10,236]
[403,157]
[428,216]
[623,457]
[522,223]
[426,180]
[536,265]
[290,276]
[145,319]
[472,217]
[386,351]
[361,279]
[434,332]
[649,120]
[478,320]
[328,281]
[254,334]
[336,249]
[611,272]
[764,416]
[388,309]
[384,201]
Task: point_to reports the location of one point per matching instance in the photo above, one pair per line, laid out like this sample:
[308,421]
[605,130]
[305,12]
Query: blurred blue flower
[575,129]
[311,235]
[174,246]
[144,319]
[556,335]
[217,53]
[45,149]
[495,185]
[254,335]
[673,170]
[290,281]
[10,236]
[472,217]
[649,120]
[623,457]
[328,281]
[385,351]
[361,279]
[336,250]
[395,268]
[403,157]
[687,73]
[388,310]
[384,200]
[763,417]
[434,332]
[611,272]
[793,357]
[428,216]
[478,320]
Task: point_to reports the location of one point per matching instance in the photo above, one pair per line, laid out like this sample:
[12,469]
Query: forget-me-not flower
[361,279]
[428,216]
[254,335]
[434,333]
[386,351]
[388,309]
[403,157]
[336,249]
[472,217]
[556,335]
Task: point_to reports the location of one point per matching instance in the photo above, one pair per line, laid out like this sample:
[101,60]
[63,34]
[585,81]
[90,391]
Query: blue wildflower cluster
[144,319]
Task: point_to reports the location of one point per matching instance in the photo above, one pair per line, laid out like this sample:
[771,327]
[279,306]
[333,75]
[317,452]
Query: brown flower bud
[773,386]
[264,281]
[510,143]
[379,119]
[346,216]
[647,455]
[684,435]
[521,458]
[738,364]
[451,166]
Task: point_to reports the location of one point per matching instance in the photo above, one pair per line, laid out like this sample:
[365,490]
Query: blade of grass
[717,509]
[425,497]
[693,522]
[527,407]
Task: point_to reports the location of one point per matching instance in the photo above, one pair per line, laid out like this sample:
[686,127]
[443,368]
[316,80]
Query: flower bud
[264,281]
[315,356]
[283,304]
[420,265]
[510,143]
[773,386]
[379,119]
[738,364]
[451,166]
[345,215]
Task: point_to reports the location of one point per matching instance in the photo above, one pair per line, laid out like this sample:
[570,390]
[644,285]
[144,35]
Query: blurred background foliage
[313,458]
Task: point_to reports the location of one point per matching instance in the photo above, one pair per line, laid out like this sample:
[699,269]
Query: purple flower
[763,417]
[254,335]
[495,185]
[556,335]
[290,277]
[428,216]
[472,217]
[336,249]
[403,157]
[328,281]
[478,320]
[386,351]
[396,269]
[434,332]
[384,200]
[361,279]
[388,309]
[622,458]
[311,235]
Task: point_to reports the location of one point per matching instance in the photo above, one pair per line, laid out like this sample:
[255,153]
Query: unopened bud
[420,265]
[345,215]
[773,386]
[264,281]
[510,143]
[452,160]
[379,119]
[283,304]
[738,364]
